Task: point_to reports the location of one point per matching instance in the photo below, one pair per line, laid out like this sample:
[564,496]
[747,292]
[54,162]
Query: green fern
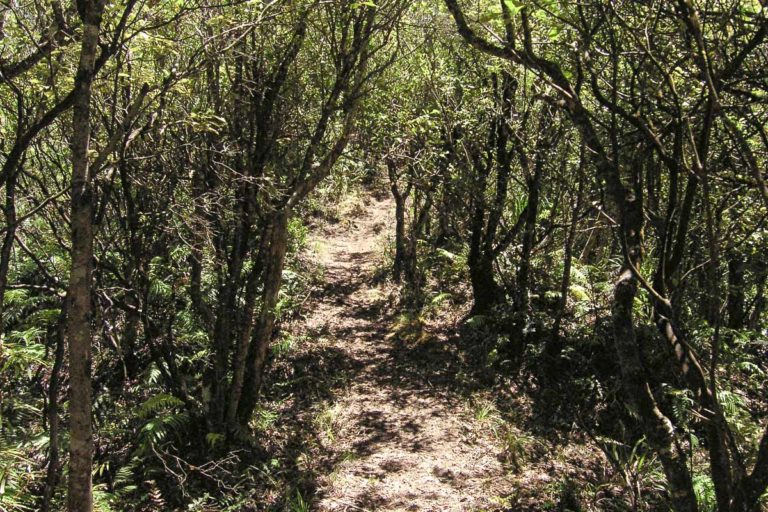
[162,420]
[705,493]
[44,317]
[21,358]
[15,476]
[731,403]
[19,304]
[159,289]
[15,297]
[157,403]
[153,376]
[214,439]
[156,431]
[682,404]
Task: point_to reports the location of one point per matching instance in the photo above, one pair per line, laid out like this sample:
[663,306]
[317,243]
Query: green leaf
[514,6]
[446,254]
[214,438]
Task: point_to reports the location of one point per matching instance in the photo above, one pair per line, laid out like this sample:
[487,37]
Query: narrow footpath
[404,438]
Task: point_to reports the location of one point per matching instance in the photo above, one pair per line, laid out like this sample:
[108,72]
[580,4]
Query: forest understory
[361,255]
[380,408]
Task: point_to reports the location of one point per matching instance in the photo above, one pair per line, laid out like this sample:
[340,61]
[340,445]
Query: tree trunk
[411,268]
[521,299]
[52,472]
[735,304]
[759,301]
[80,496]
[400,249]
[400,197]
[485,290]
[10,234]
[262,336]
[486,293]
[444,232]
[750,488]
[657,427]
[241,353]
[226,318]
[554,344]
[216,378]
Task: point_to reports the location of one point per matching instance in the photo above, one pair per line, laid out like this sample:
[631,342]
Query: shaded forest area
[512,251]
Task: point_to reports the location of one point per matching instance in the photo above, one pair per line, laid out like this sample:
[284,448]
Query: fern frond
[156,403]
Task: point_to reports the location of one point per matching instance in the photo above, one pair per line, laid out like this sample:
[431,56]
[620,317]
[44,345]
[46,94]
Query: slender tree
[79,333]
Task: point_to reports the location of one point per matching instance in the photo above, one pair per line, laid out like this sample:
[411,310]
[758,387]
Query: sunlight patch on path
[403,445]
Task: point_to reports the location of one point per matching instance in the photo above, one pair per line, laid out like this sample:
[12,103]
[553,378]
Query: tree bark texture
[78,331]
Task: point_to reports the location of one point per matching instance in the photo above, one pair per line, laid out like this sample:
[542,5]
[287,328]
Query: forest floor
[378,412]
[404,437]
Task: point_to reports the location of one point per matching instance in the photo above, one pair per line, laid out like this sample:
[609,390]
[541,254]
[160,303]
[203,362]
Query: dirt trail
[404,438]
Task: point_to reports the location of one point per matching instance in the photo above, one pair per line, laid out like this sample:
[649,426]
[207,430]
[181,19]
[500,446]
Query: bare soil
[399,434]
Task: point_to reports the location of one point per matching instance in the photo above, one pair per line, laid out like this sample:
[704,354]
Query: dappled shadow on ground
[370,416]
[561,421]
[368,419]
[376,421]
